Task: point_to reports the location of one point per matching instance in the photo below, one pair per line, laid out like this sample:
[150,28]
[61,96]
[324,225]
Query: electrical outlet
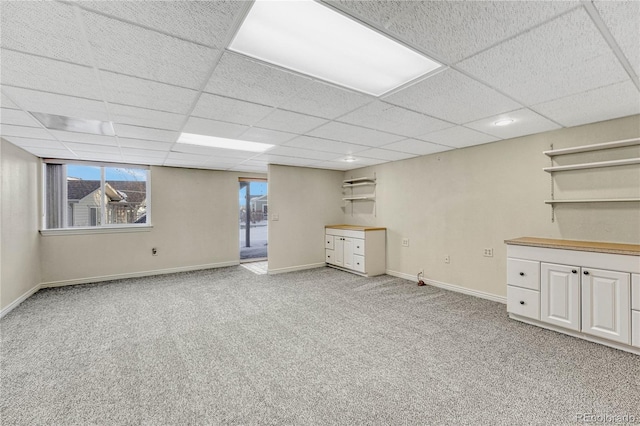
[488,252]
[405,242]
[154,251]
[275,216]
[447,259]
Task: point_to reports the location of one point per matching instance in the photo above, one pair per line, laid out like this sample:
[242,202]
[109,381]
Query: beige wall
[305,200]
[19,251]
[459,202]
[195,224]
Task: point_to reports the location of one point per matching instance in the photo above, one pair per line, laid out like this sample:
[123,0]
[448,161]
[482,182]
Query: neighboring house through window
[95,195]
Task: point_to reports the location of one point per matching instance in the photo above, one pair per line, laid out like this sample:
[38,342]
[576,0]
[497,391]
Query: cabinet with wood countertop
[357,249]
[586,289]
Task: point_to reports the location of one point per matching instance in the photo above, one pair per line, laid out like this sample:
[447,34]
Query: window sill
[96,230]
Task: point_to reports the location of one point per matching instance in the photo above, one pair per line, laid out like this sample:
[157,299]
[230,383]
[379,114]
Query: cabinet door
[606,311]
[338,251]
[560,295]
[348,253]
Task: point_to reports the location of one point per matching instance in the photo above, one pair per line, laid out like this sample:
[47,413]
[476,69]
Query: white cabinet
[356,249]
[590,291]
[606,308]
[560,295]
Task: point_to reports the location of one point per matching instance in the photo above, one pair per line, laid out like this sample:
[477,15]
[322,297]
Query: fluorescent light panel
[312,39]
[69,124]
[224,143]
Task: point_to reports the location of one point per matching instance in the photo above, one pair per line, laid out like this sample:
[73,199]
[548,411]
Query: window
[85,195]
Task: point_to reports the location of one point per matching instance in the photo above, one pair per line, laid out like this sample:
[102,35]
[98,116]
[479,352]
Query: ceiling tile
[621,18]
[135,132]
[122,89]
[43,28]
[51,103]
[126,114]
[185,164]
[199,150]
[604,103]
[89,148]
[452,96]
[205,22]
[292,122]
[287,161]
[338,164]
[144,144]
[34,143]
[144,153]
[288,151]
[322,100]
[389,118]
[326,145]
[230,110]
[143,160]
[24,131]
[63,153]
[256,134]
[239,77]
[99,156]
[415,146]
[380,13]
[221,129]
[250,169]
[128,49]
[84,138]
[563,57]
[32,72]
[458,137]
[182,156]
[525,122]
[348,133]
[5,102]
[453,30]
[17,117]
[383,154]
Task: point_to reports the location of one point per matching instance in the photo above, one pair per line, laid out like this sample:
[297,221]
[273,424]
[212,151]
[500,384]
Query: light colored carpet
[322,346]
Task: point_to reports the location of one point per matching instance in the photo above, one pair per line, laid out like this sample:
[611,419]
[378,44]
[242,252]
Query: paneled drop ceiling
[156,69]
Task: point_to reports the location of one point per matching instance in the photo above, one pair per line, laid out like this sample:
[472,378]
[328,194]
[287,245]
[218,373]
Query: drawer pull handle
[586,272]
[522,274]
[522,302]
[573,271]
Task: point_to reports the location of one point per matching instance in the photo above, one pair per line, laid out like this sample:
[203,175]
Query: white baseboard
[577,334]
[451,287]
[296,268]
[11,306]
[89,280]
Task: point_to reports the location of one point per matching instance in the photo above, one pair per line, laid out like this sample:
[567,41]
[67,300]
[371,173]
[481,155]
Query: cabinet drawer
[330,257]
[358,247]
[328,242]
[523,302]
[635,328]
[358,263]
[523,273]
[635,292]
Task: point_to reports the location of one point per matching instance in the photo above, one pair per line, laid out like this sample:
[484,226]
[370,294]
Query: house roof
[131,191]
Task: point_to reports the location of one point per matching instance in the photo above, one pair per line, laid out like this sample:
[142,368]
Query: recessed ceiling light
[313,39]
[224,143]
[69,124]
[350,159]
[503,122]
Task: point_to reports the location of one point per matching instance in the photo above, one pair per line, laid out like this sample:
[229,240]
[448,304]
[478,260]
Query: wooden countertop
[613,248]
[356,227]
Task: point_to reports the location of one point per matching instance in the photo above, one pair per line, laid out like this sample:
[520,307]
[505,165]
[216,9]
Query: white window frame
[100,229]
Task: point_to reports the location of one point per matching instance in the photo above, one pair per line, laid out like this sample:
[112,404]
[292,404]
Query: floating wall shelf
[594,147]
[595,200]
[625,162]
